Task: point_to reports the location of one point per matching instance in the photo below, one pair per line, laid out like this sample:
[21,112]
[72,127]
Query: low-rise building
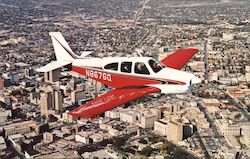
[228,129]
[83,137]
[19,128]
[31,153]
[48,137]
[2,146]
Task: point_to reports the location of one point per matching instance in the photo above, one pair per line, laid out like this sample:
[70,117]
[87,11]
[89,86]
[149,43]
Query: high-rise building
[77,95]
[175,131]
[46,102]
[51,101]
[52,76]
[29,72]
[58,102]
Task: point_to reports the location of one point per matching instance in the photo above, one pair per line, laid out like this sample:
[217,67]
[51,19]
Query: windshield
[155,65]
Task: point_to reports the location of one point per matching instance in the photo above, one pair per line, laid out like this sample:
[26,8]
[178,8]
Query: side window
[126,67]
[112,66]
[155,65]
[141,68]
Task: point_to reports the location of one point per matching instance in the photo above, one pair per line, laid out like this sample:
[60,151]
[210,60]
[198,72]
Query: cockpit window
[155,65]
[112,66]
[126,67]
[141,68]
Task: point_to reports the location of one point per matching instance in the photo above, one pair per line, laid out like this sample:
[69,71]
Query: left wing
[179,58]
[111,100]
[53,65]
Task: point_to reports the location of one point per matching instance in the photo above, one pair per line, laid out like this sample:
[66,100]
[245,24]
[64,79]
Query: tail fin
[61,47]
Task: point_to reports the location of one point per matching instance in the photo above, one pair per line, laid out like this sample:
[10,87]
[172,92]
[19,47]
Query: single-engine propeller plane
[131,77]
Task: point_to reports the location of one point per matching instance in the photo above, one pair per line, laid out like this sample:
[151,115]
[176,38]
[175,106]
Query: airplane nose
[195,80]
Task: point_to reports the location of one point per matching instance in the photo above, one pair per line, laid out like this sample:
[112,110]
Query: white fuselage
[176,81]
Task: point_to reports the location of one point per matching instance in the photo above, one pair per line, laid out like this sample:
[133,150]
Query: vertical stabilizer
[61,47]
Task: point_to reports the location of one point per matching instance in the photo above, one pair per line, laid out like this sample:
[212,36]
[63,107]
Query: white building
[160,127]
[113,114]
[128,117]
[147,121]
[82,137]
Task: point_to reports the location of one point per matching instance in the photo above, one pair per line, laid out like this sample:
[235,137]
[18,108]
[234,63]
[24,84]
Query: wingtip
[82,115]
[189,50]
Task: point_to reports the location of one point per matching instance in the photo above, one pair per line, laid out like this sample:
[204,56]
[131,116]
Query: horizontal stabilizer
[53,65]
[86,53]
[179,58]
[111,100]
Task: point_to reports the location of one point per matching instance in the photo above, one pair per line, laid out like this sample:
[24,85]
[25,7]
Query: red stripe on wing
[111,100]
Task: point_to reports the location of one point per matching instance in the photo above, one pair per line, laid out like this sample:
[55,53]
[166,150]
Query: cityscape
[211,121]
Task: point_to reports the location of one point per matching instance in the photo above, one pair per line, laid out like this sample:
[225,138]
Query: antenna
[139,52]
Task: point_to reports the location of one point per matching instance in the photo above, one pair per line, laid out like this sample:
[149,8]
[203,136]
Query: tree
[143,141]
[147,151]
[118,142]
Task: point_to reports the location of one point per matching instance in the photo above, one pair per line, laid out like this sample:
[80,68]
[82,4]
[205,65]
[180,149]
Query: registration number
[99,75]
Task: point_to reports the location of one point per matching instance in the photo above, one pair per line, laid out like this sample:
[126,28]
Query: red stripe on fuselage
[116,80]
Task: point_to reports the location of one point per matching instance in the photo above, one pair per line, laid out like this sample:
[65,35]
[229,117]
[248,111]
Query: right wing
[179,58]
[111,100]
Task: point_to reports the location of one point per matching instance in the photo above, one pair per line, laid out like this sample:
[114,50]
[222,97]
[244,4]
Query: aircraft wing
[53,65]
[111,100]
[178,59]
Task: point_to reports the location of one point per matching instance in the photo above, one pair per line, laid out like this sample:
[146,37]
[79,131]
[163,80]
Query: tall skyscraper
[52,76]
[46,102]
[58,102]
[51,99]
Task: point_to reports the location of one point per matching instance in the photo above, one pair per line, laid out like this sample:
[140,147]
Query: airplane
[131,77]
